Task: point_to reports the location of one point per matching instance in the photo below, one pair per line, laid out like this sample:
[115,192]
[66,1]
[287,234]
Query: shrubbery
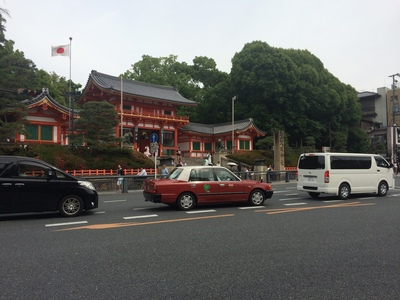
[79,158]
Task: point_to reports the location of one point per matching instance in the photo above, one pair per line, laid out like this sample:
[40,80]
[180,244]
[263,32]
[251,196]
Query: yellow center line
[119,225]
[286,210]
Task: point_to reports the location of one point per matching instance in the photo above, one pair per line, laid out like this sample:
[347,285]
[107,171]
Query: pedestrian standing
[164,172]
[178,154]
[120,181]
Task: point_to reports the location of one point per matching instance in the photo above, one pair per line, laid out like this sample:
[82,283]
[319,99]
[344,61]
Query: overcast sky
[358,41]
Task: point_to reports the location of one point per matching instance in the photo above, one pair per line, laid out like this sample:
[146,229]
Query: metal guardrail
[270,176]
[134,182]
[109,183]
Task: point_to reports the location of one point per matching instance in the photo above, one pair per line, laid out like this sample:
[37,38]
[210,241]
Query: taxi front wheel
[257,197]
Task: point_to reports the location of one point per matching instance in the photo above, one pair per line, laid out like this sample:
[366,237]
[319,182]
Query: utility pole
[233,123]
[394,109]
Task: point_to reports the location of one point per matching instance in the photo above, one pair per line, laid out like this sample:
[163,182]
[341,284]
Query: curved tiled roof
[240,125]
[138,88]
[45,94]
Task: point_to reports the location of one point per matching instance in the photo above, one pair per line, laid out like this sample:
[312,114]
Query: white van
[342,174]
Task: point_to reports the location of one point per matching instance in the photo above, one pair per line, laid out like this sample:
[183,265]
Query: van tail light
[326,177]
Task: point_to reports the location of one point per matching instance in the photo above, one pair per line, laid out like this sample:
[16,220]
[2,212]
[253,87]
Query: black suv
[31,185]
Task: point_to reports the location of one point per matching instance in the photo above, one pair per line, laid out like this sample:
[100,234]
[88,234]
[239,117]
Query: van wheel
[344,191]
[382,189]
[70,206]
[313,195]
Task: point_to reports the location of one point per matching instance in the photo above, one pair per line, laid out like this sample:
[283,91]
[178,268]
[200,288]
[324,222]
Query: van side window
[381,162]
[350,162]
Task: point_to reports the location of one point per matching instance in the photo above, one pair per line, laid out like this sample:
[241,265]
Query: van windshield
[314,162]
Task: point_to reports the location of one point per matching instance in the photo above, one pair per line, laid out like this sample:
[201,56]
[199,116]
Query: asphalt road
[294,247]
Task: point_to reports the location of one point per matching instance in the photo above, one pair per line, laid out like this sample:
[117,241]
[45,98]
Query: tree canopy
[291,90]
[96,125]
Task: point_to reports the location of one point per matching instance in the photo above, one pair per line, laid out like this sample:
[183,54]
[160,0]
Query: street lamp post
[233,123]
[394,147]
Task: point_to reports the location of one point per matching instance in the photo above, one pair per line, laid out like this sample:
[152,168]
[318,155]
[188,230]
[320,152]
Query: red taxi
[189,186]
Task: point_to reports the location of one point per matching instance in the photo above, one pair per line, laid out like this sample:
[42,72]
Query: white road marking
[291,194]
[141,208]
[140,217]
[200,211]
[286,199]
[251,207]
[277,192]
[331,201]
[299,203]
[112,201]
[98,212]
[66,224]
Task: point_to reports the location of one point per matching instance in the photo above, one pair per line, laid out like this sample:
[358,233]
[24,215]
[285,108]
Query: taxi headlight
[87,184]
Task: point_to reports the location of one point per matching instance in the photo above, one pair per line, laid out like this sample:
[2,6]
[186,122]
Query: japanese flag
[60,50]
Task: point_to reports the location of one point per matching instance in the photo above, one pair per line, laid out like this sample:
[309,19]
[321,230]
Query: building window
[46,133]
[32,132]
[207,147]
[167,112]
[196,146]
[39,132]
[245,145]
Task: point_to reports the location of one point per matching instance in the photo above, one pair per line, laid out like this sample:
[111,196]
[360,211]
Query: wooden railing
[111,172]
[105,172]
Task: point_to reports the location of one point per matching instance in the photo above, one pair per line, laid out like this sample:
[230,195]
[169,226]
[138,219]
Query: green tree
[13,66]
[96,125]
[359,142]
[292,91]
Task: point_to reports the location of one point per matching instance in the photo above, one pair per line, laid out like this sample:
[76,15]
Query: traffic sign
[153,147]
[154,137]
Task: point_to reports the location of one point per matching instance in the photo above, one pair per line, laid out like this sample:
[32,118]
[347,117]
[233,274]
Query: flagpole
[71,122]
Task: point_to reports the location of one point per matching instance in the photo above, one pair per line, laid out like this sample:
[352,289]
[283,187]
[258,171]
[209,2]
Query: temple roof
[136,88]
[215,129]
[43,95]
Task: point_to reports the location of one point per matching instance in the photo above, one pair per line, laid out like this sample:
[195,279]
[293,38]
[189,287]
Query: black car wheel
[186,201]
[70,206]
[382,189]
[257,197]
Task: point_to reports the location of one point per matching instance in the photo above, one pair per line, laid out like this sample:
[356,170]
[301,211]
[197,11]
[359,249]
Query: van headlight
[87,184]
